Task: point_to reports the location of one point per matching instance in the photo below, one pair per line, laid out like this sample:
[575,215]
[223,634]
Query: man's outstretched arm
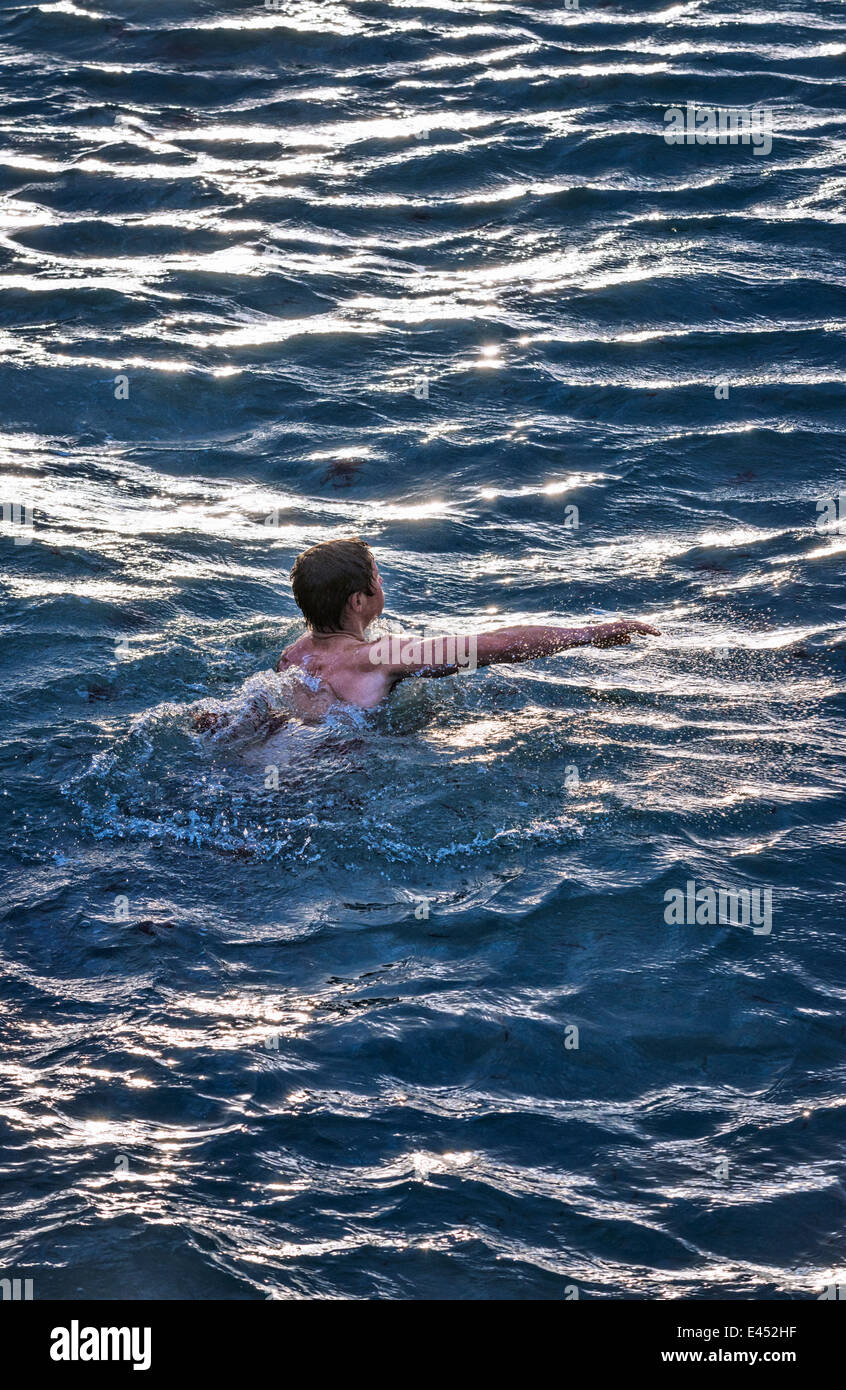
[526,643]
[444,656]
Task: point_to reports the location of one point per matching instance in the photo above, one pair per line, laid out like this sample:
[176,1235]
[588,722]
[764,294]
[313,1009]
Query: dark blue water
[319,1039]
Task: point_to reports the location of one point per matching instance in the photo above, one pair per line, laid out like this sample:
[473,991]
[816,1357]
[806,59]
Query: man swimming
[338,589]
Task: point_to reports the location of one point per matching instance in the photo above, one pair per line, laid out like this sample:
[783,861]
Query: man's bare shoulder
[293,655]
[352,654]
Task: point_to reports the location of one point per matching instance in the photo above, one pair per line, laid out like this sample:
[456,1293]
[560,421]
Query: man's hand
[618,634]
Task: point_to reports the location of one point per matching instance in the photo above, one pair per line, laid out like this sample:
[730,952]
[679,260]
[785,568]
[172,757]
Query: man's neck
[351,628]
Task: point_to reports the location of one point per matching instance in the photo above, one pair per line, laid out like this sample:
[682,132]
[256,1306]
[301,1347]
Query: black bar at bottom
[61,1339]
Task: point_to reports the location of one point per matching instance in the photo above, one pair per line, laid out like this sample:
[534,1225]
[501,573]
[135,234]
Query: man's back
[335,667]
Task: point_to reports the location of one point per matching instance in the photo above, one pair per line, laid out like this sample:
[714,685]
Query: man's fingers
[619,634]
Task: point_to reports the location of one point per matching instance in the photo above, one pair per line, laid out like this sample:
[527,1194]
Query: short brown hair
[326,575]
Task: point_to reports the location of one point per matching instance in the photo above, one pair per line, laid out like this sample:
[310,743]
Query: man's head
[337,582]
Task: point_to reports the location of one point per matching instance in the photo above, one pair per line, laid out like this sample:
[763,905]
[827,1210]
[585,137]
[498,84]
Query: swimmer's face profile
[368,607]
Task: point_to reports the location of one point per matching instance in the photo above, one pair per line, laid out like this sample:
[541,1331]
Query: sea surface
[389,1009]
